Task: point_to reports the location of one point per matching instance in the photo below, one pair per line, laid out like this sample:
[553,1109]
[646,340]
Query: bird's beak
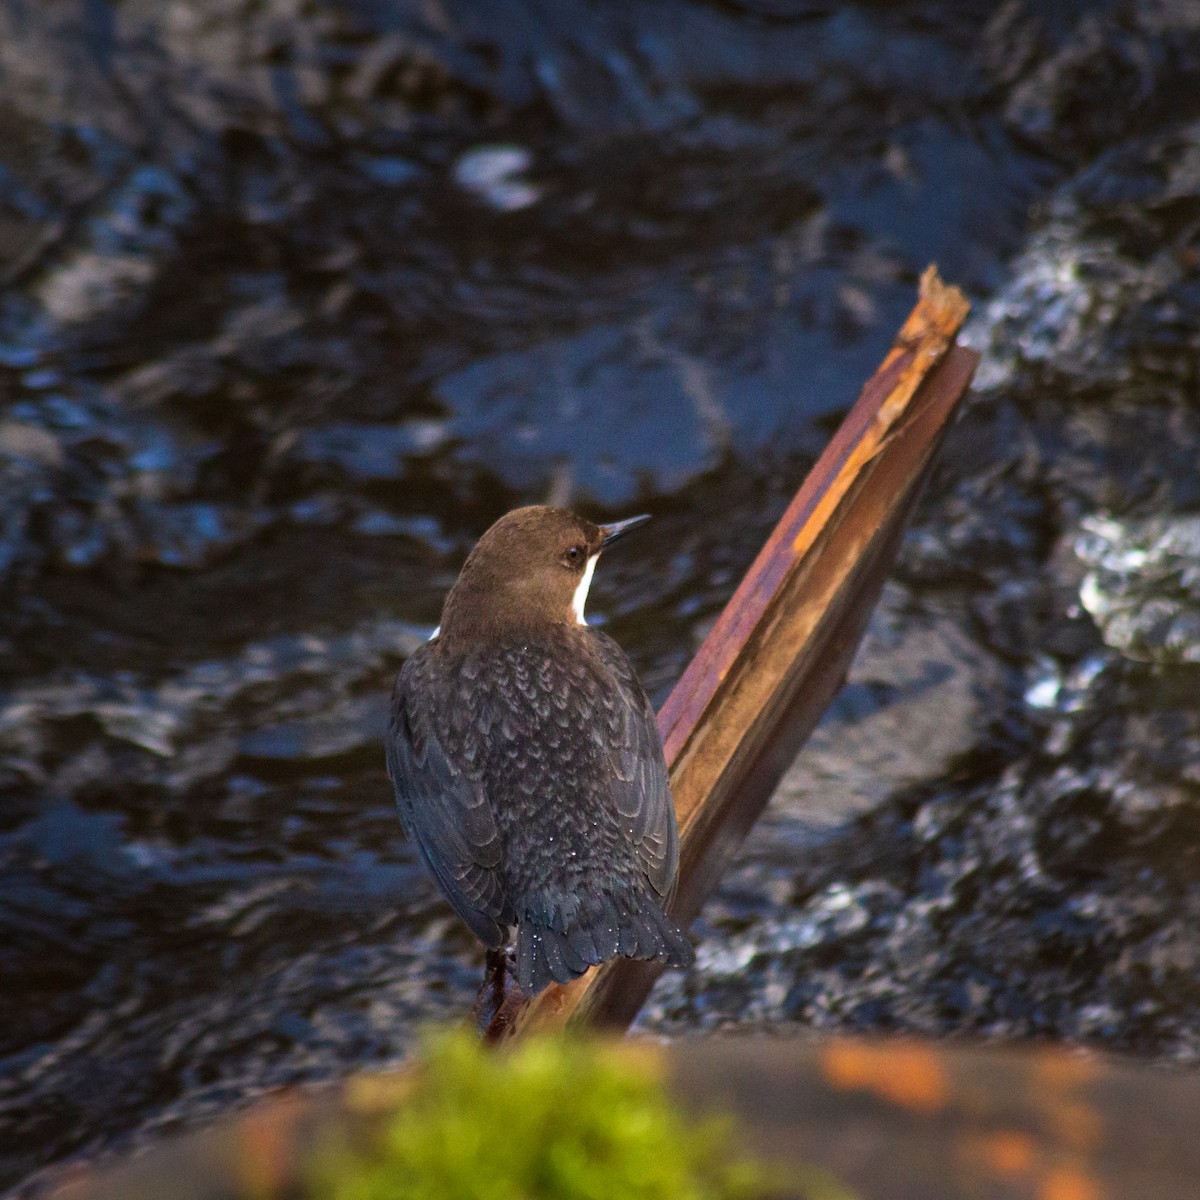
[620,528]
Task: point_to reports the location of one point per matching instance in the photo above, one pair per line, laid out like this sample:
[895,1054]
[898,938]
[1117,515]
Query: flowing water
[297,297]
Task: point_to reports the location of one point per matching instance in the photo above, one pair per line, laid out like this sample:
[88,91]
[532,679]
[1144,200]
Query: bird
[527,765]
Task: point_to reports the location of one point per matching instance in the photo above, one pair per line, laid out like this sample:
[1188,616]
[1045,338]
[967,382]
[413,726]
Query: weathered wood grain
[780,649]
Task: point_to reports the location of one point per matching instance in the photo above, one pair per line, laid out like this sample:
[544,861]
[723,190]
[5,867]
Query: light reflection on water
[278,339]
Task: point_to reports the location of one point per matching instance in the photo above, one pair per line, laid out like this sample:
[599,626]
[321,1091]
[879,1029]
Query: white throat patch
[582,590]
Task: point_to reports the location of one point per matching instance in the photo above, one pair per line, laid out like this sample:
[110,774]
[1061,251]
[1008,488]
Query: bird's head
[532,567]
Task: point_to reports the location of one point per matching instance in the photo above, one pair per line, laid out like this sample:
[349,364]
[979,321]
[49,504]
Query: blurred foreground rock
[889,1120]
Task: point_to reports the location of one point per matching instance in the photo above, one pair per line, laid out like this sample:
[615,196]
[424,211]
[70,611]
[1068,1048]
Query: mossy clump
[553,1118]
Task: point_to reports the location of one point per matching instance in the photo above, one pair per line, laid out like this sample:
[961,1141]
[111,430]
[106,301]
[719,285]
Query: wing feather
[642,790]
[444,811]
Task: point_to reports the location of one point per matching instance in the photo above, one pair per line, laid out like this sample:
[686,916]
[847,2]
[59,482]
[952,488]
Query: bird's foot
[499,995]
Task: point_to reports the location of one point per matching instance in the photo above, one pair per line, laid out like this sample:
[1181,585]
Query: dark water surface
[295,298]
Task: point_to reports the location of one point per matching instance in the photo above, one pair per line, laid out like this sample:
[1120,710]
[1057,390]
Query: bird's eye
[574,556]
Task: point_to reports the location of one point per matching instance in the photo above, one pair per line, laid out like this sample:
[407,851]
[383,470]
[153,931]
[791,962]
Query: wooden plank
[780,649]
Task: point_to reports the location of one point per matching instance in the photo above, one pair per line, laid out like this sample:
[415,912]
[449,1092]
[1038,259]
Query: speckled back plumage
[531,774]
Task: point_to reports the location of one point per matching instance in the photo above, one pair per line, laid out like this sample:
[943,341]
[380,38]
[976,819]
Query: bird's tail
[548,953]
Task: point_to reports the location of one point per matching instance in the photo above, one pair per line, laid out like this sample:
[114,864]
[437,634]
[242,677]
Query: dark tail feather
[673,948]
[546,956]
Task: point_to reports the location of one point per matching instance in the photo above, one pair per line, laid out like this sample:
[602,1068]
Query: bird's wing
[445,813]
[642,790]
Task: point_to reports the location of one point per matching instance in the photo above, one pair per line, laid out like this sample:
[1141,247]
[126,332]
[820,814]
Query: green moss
[554,1118]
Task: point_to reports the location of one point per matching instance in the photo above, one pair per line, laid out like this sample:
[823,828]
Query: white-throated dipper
[527,763]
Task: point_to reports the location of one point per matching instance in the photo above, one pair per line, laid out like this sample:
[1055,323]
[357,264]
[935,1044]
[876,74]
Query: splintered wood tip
[947,305]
